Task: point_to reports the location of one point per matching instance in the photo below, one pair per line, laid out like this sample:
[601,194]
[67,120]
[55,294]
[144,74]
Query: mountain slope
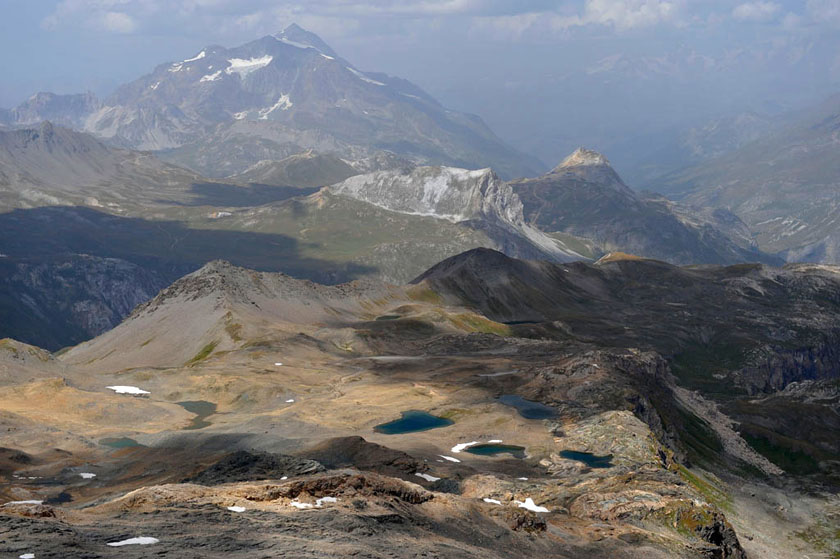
[784,186]
[584,196]
[216,307]
[307,169]
[477,198]
[298,94]
[51,165]
[736,334]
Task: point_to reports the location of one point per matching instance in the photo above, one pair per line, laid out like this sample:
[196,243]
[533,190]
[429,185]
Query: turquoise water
[122,442]
[494,449]
[202,409]
[589,459]
[527,408]
[411,422]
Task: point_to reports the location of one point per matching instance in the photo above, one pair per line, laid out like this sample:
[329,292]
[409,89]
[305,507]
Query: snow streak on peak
[363,77]
[243,66]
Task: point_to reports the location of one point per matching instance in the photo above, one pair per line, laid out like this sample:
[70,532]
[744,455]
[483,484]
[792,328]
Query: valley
[624,464]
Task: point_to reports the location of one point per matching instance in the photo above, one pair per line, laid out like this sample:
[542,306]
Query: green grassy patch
[789,459]
[474,323]
[204,353]
[425,295]
[708,490]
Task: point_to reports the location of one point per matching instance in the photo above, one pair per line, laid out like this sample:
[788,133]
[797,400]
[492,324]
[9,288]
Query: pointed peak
[297,36]
[583,157]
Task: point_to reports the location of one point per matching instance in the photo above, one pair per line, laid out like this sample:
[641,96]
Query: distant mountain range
[785,186]
[222,110]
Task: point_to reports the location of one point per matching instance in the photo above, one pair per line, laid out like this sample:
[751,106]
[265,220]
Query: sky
[545,74]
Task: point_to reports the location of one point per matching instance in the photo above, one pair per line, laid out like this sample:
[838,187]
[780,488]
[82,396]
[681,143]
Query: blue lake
[202,409]
[121,442]
[527,408]
[591,460]
[492,449]
[412,421]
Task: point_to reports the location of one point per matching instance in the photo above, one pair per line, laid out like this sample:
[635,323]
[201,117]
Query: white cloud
[617,14]
[629,13]
[825,11]
[118,22]
[760,12]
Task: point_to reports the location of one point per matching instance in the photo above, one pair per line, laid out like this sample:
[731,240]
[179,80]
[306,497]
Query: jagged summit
[583,157]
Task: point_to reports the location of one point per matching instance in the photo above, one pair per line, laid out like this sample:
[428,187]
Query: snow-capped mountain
[287,93]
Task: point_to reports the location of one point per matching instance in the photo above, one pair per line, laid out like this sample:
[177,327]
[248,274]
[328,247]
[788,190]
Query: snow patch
[495,441]
[240,116]
[323,500]
[492,501]
[127,390]
[30,502]
[278,364]
[327,57]
[451,459]
[363,77]
[199,56]
[211,77]
[529,504]
[463,446]
[290,401]
[294,43]
[85,475]
[427,477]
[243,66]
[236,509]
[27,556]
[299,505]
[143,540]
[154,86]
[283,103]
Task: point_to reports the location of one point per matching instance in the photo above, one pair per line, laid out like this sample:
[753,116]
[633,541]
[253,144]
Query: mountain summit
[583,157]
[298,36]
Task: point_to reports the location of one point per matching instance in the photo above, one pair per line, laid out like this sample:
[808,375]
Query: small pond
[121,442]
[591,460]
[493,449]
[411,422]
[202,410]
[527,408]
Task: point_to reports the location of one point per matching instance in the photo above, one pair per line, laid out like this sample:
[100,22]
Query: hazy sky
[539,71]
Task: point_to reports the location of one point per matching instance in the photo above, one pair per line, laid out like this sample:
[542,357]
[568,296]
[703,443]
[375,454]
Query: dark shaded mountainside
[783,185]
[224,110]
[753,338]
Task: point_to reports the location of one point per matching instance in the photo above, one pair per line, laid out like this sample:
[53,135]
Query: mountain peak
[583,157]
[296,35]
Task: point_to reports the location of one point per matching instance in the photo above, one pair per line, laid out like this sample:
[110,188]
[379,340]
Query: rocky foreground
[623,409]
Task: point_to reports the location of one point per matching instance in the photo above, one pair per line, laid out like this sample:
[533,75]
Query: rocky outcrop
[254,466]
[61,301]
[478,198]
[775,368]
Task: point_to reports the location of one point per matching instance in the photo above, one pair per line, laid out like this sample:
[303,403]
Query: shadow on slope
[70,273]
[231,195]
